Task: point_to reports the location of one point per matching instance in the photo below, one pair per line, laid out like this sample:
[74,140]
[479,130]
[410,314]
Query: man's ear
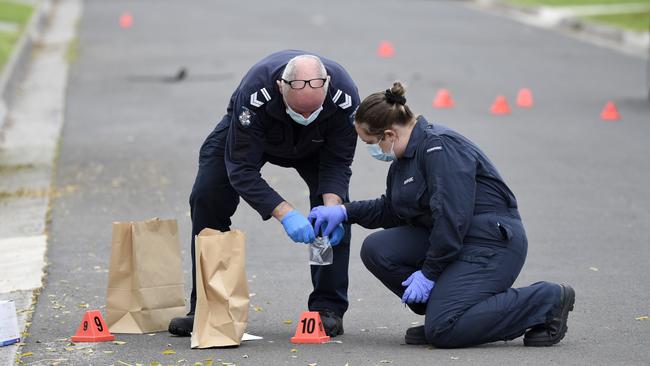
[279,83]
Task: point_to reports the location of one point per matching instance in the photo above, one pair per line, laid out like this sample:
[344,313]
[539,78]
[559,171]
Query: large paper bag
[222,289]
[145,280]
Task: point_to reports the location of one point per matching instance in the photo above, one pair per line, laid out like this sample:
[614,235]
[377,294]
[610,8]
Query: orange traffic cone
[92,329]
[500,106]
[443,99]
[386,49]
[126,20]
[524,98]
[310,329]
[610,112]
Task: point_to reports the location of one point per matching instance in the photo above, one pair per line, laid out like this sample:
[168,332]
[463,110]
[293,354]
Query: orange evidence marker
[93,329]
[443,99]
[386,49]
[126,20]
[310,329]
[524,98]
[500,106]
[610,112]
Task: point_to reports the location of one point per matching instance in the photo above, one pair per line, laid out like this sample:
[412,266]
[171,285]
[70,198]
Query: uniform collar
[418,134]
[278,110]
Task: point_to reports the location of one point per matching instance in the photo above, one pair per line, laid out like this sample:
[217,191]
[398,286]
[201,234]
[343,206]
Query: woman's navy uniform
[448,213]
[256,129]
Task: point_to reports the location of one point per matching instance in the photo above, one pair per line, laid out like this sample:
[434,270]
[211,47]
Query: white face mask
[379,154]
[298,118]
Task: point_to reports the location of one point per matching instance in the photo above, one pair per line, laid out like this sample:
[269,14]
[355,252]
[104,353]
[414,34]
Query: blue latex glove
[328,216]
[419,288]
[337,235]
[298,228]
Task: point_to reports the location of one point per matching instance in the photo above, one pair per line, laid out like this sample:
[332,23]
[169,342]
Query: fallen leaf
[415,323]
[339,342]
[312,364]
[151,334]
[169,352]
[208,362]
[83,306]
[244,356]
[257,308]
[293,350]
[155,363]
[198,364]
[108,352]
[454,358]
[288,322]
[642,318]
[119,343]
[593,269]
[27,354]
[385,361]
[363,329]
[382,327]
[124,363]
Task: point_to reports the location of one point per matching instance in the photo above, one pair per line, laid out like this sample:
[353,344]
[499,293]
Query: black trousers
[472,301]
[213,201]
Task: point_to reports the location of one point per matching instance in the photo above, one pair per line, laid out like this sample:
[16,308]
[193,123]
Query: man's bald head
[306,100]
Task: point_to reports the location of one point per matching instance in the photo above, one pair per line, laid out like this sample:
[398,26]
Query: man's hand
[330,216]
[419,288]
[298,228]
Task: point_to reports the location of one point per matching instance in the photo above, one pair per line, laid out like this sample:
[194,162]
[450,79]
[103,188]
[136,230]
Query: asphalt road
[130,146]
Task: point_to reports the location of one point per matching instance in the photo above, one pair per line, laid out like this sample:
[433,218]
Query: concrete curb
[15,68]
[640,41]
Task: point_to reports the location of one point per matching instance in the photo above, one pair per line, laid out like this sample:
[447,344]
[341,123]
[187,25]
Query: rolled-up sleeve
[337,154]
[244,158]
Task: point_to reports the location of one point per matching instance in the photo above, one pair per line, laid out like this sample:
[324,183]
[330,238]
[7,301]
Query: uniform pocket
[488,228]
[477,254]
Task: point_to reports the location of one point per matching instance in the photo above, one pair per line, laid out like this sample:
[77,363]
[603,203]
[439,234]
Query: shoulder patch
[347,103]
[245,117]
[255,102]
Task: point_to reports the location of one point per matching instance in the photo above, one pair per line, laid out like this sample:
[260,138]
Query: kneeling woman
[453,242]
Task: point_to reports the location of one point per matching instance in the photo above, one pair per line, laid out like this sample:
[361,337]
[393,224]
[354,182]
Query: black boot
[332,323]
[415,335]
[182,325]
[553,332]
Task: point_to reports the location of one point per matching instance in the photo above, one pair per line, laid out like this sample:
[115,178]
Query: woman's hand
[329,216]
[419,288]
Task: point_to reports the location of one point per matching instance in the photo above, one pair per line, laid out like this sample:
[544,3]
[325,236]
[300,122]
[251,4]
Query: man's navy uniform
[257,129]
[449,213]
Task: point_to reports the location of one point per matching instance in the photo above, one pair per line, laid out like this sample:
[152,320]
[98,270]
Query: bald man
[294,110]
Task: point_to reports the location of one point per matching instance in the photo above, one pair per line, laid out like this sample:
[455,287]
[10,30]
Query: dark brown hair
[381,110]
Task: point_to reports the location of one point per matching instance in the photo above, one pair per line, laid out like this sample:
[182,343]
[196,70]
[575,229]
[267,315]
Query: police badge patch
[245,117]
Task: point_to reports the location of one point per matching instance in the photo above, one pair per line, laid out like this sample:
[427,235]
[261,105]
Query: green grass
[14,12]
[577,2]
[7,41]
[637,22]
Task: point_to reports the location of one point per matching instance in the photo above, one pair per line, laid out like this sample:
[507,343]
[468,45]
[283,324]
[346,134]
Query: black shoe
[553,332]
[415,335]
[332,323]
[182,326]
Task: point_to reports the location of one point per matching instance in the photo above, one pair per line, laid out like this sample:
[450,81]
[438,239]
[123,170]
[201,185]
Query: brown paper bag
[145,280]
[222,289]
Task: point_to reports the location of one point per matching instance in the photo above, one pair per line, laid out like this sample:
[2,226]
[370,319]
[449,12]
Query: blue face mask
[379,154]
[298,118]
